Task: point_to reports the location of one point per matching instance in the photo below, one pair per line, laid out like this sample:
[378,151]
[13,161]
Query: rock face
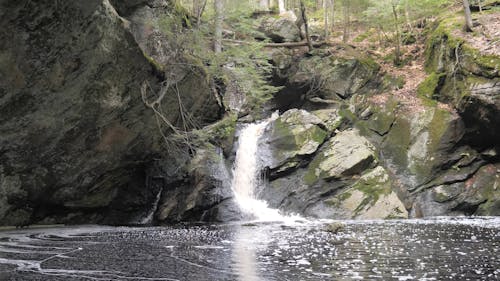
[383,159]
[324,78]
[204,194]
[472,85]
[77,143]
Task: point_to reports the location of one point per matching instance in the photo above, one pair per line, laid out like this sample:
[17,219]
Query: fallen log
[283,45]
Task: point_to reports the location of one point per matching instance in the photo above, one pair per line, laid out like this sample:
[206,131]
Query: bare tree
[468,17]
[325,9]
[347,20]
[219,17]
[306,24]
[198,9]
[397,55]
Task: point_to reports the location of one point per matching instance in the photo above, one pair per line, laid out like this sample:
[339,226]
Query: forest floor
[485,38]
[412,73]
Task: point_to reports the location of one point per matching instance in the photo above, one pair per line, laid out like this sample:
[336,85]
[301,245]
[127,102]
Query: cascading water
[246,177]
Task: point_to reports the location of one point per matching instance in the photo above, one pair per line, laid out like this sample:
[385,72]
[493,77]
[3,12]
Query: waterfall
[149,217]
[246,175]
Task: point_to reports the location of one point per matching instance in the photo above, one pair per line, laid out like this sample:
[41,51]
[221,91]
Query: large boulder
[337,76]
[418,143]
[346,154]
[280,30]
[291,137]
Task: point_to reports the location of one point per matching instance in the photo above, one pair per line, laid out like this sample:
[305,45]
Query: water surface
[434,249]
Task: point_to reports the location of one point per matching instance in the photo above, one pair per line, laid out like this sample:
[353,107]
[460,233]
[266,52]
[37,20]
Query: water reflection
[447,249]
[244,253]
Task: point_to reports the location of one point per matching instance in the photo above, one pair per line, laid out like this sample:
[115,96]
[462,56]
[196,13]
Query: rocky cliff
[77,143]
[360,152]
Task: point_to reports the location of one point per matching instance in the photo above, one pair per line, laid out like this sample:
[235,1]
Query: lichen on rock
[346,154]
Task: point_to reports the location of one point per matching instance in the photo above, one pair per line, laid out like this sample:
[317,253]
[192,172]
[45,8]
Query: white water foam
[246,177]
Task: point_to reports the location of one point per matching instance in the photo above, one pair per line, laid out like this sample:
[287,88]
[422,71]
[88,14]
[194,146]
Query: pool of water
[432,249]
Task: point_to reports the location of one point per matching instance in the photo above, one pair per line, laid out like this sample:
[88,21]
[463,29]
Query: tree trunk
[345,37]
[281,6]
[397,55]
[408,17]
[468,17]
[333,13]
[325,9]
[306,25]
[219,17]
[198,9]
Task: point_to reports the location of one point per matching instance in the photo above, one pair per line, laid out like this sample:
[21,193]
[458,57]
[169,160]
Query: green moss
[369,63]
[398,140]
[383,117]
[157,67]
[345,113]
[285,140]
[440,197]
[317,134]
[438,128]
[220,133]
[344,196]
[226,127]
[373,185]
[488,65]
[442,48]
[429,88]
[310,176]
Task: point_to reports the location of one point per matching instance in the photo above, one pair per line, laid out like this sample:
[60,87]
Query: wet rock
[203,195]
[335,227]
[346,154]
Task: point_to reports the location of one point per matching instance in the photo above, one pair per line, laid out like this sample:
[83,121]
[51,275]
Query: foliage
[245,62]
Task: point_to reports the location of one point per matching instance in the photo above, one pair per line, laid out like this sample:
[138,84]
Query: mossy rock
[380,118]
[371,197]
[330,117]
[430,87]
[485,187]
[418,142]
[294,134]
[334,76]
[346,154]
